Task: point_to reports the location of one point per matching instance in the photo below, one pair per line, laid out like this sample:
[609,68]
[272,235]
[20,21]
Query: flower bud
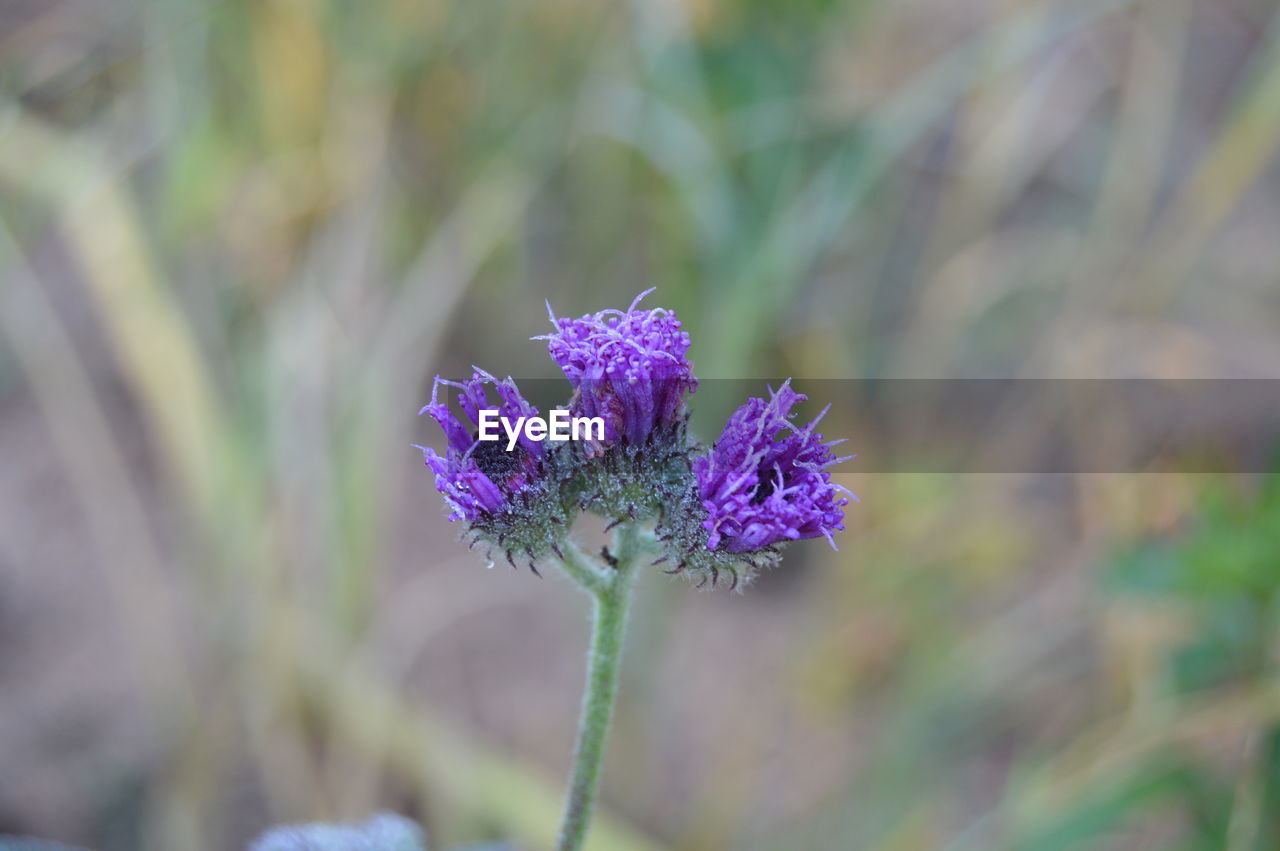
[762,484]
[627,367]
[506,497]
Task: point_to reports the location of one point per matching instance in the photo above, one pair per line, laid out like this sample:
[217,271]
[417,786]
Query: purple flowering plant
[717,515]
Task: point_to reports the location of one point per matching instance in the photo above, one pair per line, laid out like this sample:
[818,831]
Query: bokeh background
[238,238]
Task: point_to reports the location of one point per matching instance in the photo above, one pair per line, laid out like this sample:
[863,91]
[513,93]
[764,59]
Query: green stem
[609,618]
[583,570]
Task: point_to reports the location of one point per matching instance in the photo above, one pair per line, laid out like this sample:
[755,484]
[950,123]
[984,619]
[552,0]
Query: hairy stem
[584,570]
[609,618]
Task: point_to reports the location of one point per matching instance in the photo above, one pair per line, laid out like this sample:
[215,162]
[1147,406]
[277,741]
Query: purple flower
[765,481]
[627,367]
[479,478]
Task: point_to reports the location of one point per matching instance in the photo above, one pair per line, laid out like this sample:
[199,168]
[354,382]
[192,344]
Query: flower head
[479,478]
[627,367]
[718,514]
[765,480]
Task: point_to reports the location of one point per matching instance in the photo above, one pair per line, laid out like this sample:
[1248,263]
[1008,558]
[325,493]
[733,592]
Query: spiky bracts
[720,515]
[682,534]
[627,481]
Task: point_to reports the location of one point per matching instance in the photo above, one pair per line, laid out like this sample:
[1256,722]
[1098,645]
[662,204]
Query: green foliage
[1221,572]
[1158,791]
[1224,570]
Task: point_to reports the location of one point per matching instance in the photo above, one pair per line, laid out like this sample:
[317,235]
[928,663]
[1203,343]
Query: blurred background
[237,239]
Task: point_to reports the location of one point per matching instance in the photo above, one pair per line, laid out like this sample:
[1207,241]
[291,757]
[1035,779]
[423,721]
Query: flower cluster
[718,512]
